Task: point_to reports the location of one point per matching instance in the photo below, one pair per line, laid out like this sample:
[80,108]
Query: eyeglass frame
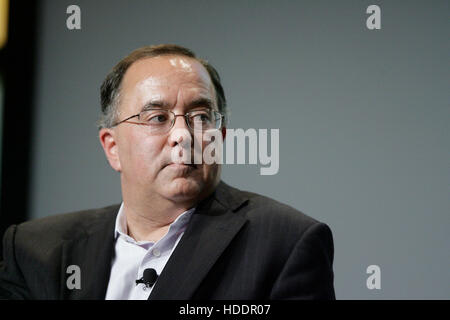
[186,119]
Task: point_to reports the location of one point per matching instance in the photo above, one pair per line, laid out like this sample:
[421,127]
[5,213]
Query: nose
[180,133]
[182,120]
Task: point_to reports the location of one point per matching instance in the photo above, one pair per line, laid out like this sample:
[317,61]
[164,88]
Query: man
[178,223]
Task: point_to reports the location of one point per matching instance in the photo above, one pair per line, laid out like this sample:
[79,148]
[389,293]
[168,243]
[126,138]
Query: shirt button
[156,252]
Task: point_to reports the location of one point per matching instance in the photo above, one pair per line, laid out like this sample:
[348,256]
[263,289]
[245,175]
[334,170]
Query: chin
[182,189]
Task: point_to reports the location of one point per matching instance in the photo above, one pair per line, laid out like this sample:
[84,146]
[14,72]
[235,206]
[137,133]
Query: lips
[182,165]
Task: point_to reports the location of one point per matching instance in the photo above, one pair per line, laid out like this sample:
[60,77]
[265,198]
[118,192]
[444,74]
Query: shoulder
[267,210]
[272,215]
[63,226]
[278,231]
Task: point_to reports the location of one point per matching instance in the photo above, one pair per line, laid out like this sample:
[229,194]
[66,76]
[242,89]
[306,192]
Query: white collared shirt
[133,257]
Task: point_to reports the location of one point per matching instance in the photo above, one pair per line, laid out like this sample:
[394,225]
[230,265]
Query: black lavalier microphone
[148,278]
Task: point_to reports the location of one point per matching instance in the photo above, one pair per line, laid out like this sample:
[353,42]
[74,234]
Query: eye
[155,117]
[201,116]
[158,118]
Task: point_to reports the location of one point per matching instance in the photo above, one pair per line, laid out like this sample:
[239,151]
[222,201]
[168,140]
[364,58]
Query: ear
[108,140]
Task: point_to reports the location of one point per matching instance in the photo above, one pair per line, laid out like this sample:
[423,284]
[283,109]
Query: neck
[150,224]
[149,215]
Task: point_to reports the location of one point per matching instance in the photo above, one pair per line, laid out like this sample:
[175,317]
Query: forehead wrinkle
[199,101]
[189,92]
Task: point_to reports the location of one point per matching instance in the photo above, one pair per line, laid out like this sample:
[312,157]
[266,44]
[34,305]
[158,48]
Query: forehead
[166,72]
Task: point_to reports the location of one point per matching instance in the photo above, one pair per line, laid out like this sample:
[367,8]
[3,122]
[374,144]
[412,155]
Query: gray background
[363,118]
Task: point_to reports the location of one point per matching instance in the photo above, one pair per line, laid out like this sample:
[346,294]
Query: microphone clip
[149,278]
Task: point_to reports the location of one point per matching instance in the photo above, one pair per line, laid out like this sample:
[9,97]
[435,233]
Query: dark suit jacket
[238,245]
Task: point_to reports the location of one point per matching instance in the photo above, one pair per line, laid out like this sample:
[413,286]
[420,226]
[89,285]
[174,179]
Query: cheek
[210,171]
[212,148]
[142,154]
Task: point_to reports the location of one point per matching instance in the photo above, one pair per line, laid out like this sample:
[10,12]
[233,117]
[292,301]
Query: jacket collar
[213,225]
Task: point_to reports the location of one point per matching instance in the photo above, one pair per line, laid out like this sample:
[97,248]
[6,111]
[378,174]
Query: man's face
[145,159]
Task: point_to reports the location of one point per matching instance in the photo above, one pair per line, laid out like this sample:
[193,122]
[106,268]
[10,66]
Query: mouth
[182,165]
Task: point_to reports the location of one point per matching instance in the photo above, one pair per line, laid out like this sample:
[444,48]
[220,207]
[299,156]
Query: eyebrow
[201,102]
[155,104]
[197,103]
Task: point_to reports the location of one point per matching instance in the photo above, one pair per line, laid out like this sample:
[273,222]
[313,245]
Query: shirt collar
[121,223]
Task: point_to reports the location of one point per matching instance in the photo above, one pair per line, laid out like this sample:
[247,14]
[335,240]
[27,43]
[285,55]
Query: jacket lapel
[92,252]
[213,225]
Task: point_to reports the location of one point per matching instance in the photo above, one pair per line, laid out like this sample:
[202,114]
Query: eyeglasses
[160,121]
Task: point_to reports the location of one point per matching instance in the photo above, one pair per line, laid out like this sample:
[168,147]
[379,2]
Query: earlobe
[110,147]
